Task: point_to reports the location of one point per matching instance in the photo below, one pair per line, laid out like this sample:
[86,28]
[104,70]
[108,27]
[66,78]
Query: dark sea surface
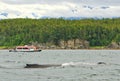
[76,65]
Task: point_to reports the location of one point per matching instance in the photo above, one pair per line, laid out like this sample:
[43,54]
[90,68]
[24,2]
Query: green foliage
[117,39]
[22,31]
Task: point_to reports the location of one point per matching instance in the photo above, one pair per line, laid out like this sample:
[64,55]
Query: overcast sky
[90,2]
[58,8]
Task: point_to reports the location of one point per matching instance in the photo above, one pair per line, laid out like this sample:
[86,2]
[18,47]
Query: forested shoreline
[51,31]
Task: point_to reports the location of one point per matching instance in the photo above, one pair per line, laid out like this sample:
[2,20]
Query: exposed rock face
[114,45]
[74,44]
[70,44]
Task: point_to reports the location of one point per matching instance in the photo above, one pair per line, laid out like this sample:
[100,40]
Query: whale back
[41,66]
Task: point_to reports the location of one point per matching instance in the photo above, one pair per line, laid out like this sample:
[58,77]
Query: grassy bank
[90,48]
[97,47]
[6,47]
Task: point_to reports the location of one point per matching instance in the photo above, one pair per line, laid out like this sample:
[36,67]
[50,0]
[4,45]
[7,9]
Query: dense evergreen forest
[98,32]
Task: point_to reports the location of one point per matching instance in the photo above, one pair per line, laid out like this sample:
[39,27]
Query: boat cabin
[26,48]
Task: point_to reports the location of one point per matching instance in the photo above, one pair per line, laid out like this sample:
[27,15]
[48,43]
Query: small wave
[12,61]
[12,66]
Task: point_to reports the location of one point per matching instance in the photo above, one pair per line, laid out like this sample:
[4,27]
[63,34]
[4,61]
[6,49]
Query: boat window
[19,48]
[25,48]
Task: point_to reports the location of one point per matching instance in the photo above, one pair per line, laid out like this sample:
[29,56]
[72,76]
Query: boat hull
[25,50]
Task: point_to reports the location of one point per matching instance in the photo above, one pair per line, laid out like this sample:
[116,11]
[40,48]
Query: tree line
[98,32]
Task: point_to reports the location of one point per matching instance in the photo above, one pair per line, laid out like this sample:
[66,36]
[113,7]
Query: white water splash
[78,64]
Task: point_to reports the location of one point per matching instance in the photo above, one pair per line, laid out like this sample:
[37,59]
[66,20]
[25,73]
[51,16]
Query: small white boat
[25,48]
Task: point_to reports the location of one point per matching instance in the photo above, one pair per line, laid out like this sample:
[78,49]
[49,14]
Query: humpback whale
[62,65]
[41,65]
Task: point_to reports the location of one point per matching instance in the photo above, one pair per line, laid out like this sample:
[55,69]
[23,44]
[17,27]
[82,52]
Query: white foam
[78,64]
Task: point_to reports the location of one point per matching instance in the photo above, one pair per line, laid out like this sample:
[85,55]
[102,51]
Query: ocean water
[76,65]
